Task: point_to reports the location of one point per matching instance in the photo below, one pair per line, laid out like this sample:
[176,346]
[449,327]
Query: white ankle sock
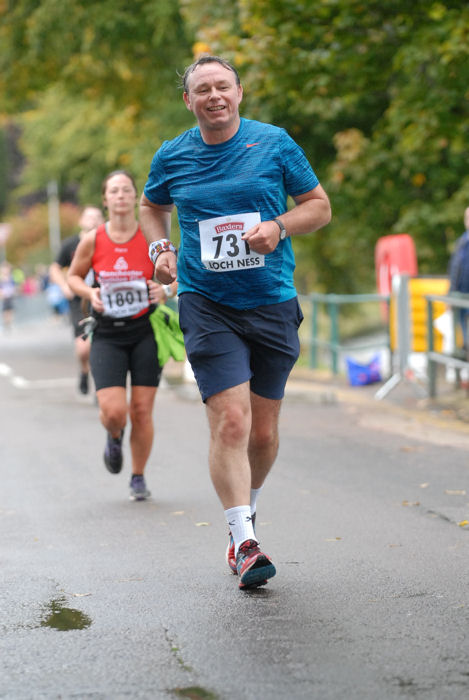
[240,523]
[254,494]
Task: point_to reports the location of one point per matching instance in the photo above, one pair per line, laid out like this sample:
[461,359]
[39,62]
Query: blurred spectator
[91,217]
[18,276]
[7,294]
[42,276]
[30,286]
[57,300]
[459,272]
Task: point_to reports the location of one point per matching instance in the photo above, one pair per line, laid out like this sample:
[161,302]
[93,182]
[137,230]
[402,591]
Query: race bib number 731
[222,248]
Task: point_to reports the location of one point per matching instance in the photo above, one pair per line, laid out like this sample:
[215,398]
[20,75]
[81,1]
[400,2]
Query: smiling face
[213,95]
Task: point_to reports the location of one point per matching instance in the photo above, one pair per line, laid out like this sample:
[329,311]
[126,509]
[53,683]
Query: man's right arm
[58,277]
[155,222]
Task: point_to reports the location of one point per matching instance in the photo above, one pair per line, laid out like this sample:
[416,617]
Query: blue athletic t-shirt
[254,171]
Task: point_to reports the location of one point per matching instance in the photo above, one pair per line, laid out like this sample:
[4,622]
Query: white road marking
[22,383]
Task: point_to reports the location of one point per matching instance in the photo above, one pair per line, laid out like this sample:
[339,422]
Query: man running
[91,217]
[229,178]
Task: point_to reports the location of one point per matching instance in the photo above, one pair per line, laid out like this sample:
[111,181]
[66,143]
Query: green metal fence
[332,304]
[458,359]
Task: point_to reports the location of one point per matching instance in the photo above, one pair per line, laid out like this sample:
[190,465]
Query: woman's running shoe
[138,488]
[83,383]
[113,453]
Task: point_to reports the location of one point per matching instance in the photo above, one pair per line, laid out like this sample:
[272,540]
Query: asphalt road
[102,597]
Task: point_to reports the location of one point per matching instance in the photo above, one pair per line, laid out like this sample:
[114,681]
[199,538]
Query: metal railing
[458,359]
[332,303]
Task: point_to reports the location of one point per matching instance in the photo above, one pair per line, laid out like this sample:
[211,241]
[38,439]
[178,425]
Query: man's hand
[311,212]
[67,292]
[263,238]
[166,267]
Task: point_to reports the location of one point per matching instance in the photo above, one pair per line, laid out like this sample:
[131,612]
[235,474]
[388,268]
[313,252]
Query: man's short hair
[202,61]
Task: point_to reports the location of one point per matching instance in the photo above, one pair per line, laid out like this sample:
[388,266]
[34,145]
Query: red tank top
[122,271]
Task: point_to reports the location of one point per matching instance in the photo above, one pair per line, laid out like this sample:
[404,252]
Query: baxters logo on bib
[230,226]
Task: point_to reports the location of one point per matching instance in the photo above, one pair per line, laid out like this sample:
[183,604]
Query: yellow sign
[418,289]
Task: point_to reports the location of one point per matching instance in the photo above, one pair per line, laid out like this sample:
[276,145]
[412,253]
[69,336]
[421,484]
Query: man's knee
[232,426]
[264,436]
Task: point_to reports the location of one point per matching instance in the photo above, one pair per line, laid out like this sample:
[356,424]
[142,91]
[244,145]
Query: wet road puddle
[194,693]
[59,617]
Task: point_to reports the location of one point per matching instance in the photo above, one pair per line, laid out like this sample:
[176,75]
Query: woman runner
[122,298]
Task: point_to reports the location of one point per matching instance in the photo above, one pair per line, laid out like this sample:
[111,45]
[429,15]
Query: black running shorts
[117,352]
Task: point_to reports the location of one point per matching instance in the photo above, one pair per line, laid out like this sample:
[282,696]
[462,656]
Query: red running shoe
[253,566]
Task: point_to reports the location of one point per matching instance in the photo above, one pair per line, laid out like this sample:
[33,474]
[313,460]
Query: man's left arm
[312,212]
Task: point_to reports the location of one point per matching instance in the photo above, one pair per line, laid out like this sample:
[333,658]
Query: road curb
[318,387]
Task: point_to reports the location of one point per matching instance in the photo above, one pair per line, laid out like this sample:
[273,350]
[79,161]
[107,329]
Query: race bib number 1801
[222,248]
[124,298]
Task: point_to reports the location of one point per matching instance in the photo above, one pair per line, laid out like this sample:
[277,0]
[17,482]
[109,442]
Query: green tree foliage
[94,84]
[28,243]
[93,48]
[3,173]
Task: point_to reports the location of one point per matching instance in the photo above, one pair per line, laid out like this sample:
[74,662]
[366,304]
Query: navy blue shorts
[227,347]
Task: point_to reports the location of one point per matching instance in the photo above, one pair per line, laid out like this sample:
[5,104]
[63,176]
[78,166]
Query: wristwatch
[283,230]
